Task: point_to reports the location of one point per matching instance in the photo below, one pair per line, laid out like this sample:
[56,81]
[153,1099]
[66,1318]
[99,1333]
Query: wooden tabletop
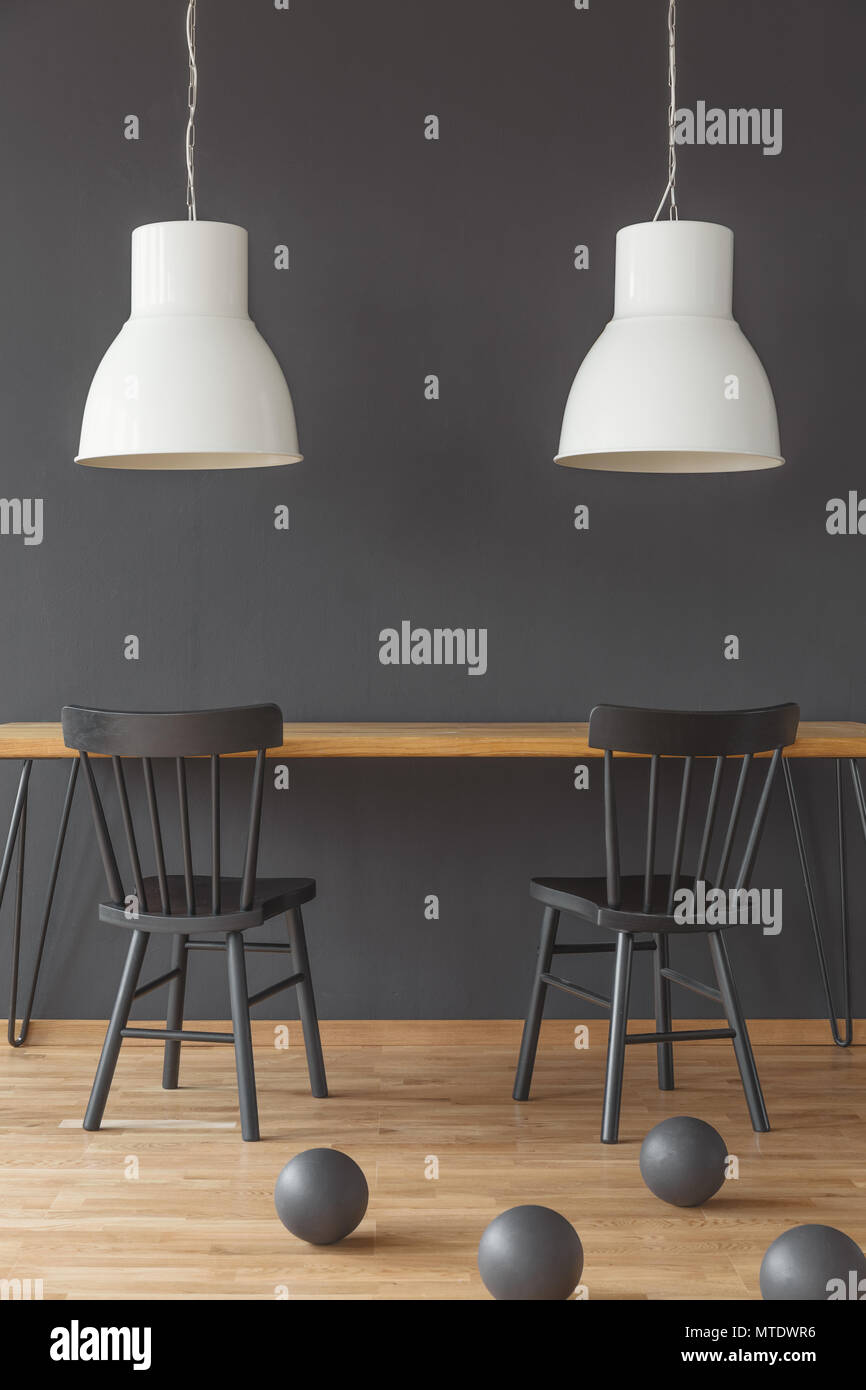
[820,739]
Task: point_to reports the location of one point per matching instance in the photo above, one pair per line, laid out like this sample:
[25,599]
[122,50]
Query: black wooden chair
[639,904]
[188,905]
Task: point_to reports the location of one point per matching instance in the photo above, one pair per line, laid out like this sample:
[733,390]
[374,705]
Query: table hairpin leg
[18,831]
[841,1039]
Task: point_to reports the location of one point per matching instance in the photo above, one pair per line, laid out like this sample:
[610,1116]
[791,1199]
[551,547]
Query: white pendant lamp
[189,382]
[672,385]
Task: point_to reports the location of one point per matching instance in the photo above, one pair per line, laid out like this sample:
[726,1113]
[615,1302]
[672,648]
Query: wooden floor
[198,1220]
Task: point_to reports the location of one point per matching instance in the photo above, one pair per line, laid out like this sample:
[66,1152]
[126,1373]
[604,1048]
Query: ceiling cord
[671,189]
[190,124]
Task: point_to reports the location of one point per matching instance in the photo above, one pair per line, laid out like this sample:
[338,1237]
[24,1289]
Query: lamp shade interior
[661,461]
[188,461]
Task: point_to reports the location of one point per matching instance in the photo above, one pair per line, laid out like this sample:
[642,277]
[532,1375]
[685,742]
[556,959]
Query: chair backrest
[687,735]
[209,734]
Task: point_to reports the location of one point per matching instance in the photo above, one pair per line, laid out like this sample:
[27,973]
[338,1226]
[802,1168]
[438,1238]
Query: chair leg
[742,1046]
[532,1026]
[174,1012]
[113,1038]
[662,992]
[307,1005]
[616,1042]
[239,995]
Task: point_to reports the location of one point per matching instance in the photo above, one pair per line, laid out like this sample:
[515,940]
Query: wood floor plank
[198,1221]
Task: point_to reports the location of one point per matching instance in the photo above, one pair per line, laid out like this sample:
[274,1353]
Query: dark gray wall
[412,257]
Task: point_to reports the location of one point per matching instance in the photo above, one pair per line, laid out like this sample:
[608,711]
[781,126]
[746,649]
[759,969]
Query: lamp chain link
[671,188]
[191,101]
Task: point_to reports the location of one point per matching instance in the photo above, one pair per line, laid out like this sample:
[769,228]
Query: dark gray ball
[321,1196]
[682,1161]
[808,1263]
[530,1253]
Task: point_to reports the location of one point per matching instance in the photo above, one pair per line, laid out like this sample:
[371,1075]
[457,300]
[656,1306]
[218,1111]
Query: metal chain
[191,101]
[671,189]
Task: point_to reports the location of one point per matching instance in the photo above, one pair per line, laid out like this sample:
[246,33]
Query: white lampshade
[672,385]
[188,382]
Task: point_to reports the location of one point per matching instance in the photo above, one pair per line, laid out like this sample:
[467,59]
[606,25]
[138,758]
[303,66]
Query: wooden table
[814,740]
[839,741]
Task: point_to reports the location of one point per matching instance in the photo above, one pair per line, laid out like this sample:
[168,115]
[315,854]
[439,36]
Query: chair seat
[272,896]
[587,898]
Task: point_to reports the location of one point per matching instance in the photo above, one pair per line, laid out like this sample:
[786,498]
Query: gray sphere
[801,1262]
[530,1253]
[682,1161]
[321,1196]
